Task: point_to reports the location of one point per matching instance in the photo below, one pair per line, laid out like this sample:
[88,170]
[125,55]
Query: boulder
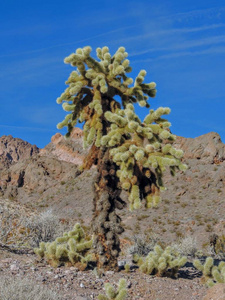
[208,148]
[66,150]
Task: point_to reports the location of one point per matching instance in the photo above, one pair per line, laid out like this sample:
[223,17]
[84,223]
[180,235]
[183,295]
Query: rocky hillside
[13,150]
[66,150]
[208,148]
[192,204]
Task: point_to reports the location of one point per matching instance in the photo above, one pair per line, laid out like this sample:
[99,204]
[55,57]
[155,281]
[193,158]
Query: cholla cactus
[129,154]
[211,274]
[161,262]
[111,293]
[71,247]
[127,268]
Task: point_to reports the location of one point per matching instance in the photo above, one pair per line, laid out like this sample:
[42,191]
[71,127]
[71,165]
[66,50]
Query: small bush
[186,246]
[211,273]
[25,289]
[19,227]
[127,268]
[217,245]
[12,229]
[71,248]
[142,245]
[112,293]
[208,228]
[43,228]
[161,262]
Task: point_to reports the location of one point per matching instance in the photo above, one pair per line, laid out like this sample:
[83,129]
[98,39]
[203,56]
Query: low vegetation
[12,288]
[117,294]
[186,246]
[44,227]
[211,273]
[20,229]
[142,245]
[161,262]
[71,248]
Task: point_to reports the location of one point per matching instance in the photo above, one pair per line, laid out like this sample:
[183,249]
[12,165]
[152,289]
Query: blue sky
[181,45]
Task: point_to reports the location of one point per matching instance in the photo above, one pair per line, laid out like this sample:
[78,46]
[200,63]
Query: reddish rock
[208,147]
[67,150]
[14,149]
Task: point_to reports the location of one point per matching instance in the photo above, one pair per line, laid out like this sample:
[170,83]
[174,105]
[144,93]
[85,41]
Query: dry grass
[143,245]
[12,288]
[186,246]
[44,227]
[19,227]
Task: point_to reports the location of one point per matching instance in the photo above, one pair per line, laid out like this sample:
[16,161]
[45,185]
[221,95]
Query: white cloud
[37,71]
[68,44]
[168,32]
[209,41]
[27,128]
[213,50]
[212,12]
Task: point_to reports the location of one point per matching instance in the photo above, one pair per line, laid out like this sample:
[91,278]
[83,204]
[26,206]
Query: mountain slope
[193,202]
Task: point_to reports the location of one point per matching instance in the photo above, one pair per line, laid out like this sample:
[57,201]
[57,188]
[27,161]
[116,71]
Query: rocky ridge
[13,150]
[208,148]
[70,150]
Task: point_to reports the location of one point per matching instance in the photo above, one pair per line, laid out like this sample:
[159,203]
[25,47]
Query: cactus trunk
[106,223]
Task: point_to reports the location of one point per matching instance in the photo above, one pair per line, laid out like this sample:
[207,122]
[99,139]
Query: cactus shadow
[188,271]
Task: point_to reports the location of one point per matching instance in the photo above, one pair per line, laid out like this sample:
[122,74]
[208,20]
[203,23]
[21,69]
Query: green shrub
[127,268]
[161,262]
[112,293]
[71,248]
[211,273]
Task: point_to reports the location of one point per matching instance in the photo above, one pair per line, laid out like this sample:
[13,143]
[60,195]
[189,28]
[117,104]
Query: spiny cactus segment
[161,262]
[112,293]
[211,273]
[141,150]
[137,145]
[71,247]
